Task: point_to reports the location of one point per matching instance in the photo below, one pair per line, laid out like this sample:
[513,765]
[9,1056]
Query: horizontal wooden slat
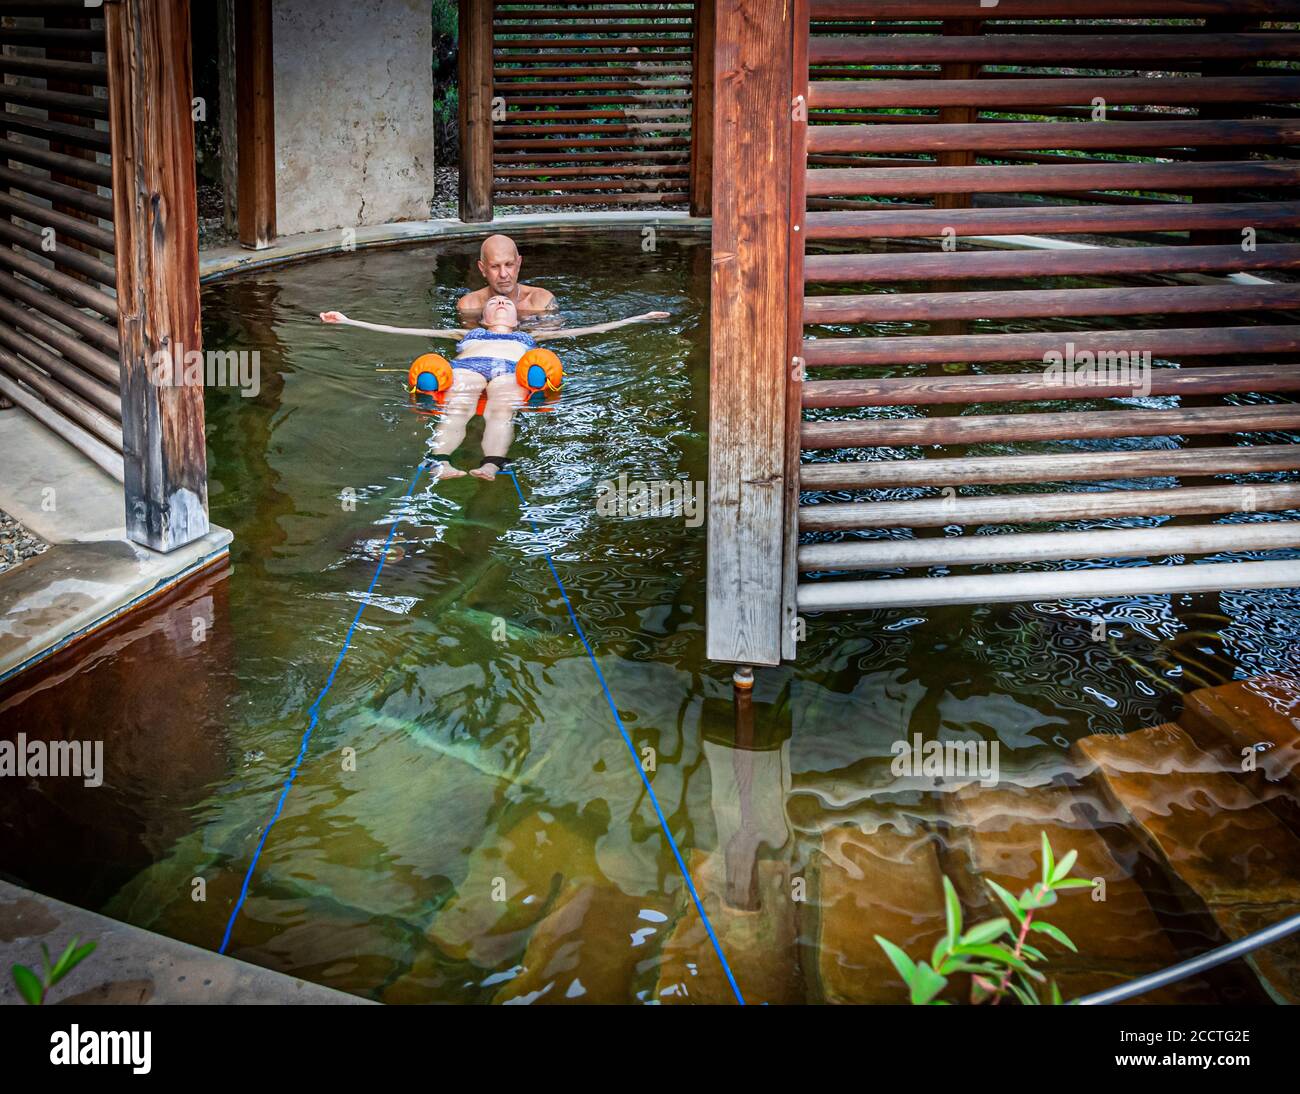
[1081,262]
[667,197]
[1079,425]
[89,106]
[1058,303]
[107,457]
[1031,135]
[985,550]
[1066,466]
[62,223]
[1043,508]
[1051,91]
[71,71]
[1103,582]
[594,143]
[928,349]
[1048,9]
[657,170]
[1053,220]
[591,157]
[79,135]
[502,185]
[1171,177]
[89,170]
[1036,386]
[93,330]
[1057,49]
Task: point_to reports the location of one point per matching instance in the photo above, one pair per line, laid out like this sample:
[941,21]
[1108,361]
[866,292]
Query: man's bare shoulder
[472,301]
[536,299]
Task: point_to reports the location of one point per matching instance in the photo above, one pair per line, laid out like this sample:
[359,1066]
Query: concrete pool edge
[91,574]
[132,965]
[218,262]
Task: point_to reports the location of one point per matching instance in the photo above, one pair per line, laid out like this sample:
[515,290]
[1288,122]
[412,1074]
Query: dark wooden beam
[475,73]
[255,113]
[156,219]
[702,110]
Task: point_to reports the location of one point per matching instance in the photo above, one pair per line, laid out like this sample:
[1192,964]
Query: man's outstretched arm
[599,328]
[339,317]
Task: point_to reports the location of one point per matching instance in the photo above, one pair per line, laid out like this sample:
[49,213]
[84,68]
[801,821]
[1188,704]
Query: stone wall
[353,112]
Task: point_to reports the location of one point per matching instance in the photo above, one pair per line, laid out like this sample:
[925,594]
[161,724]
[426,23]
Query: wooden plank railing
[934,126]
[579,105]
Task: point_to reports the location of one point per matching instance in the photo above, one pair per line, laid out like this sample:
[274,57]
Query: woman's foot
[489,466]
[443,470]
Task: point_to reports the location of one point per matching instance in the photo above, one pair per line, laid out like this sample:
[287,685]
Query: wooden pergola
[864,144]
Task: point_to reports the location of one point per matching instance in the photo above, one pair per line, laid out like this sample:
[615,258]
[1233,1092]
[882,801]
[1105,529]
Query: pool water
[466,824]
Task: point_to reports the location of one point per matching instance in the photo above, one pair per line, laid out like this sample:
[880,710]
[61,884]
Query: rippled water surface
[466,823]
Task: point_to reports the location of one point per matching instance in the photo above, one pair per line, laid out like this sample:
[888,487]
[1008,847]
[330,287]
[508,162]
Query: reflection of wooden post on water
[154,687]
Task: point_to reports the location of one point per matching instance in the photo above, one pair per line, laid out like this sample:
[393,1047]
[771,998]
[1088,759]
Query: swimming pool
[467,824]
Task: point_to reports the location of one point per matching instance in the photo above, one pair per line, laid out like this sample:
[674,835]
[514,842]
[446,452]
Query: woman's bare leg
[503,395]
[462,398]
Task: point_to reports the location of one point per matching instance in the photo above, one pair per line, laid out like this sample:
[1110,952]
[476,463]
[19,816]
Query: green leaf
[994,953]
[940,953]
[927,985]
[986,932]
[1073,883]
[1056,995]
[1013,905]
[1063,867]
[59,967]
[1032,952]
[80,955]
[1048,862]
[29,987]
[953,908]
[1056,933]
[1027,998]
[1037,897]
[905,965]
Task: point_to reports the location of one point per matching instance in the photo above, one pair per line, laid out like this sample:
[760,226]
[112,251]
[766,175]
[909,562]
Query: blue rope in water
[314,715]
[627,740]
[314,719]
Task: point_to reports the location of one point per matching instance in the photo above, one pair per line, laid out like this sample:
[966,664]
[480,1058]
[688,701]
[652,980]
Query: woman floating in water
[485,364]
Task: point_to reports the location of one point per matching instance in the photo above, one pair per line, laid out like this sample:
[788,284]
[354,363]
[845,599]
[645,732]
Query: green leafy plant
[997,955]
[34,988]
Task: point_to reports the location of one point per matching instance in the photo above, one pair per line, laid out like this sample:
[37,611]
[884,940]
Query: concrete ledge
[133,966]
[220,261]
[91,573]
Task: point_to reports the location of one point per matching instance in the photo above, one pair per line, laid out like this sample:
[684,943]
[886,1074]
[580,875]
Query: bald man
[499,263]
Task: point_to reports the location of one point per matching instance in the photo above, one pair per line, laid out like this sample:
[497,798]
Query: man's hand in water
[333,317]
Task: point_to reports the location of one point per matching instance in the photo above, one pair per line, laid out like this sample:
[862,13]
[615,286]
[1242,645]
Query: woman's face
[499,311]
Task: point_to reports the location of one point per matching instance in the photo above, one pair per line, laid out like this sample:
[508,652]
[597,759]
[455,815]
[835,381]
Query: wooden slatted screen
[1155,142]
[596,100]
[59,349]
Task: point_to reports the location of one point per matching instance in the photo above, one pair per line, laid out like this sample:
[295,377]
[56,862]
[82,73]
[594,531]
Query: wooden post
[155,215]
[228,78]
[255,111]
[750,325]
[475,72]
[702,109]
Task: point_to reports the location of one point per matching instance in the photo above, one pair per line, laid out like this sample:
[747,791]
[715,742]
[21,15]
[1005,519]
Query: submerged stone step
[760,943]
[884,882]
[1217,836]
[589,948]
[1261,714]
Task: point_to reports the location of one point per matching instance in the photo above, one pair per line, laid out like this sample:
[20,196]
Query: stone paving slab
[131,966]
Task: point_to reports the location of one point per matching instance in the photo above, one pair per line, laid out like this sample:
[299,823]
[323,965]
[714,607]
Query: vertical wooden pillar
[156,220]
[474,59]
[750,325]
[957,115]
[702,48]
[255,111]
[228,79]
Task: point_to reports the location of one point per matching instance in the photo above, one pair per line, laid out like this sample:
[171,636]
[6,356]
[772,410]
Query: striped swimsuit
[492,354]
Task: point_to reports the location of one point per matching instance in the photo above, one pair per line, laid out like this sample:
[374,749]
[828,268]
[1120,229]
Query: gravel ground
[17,543]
